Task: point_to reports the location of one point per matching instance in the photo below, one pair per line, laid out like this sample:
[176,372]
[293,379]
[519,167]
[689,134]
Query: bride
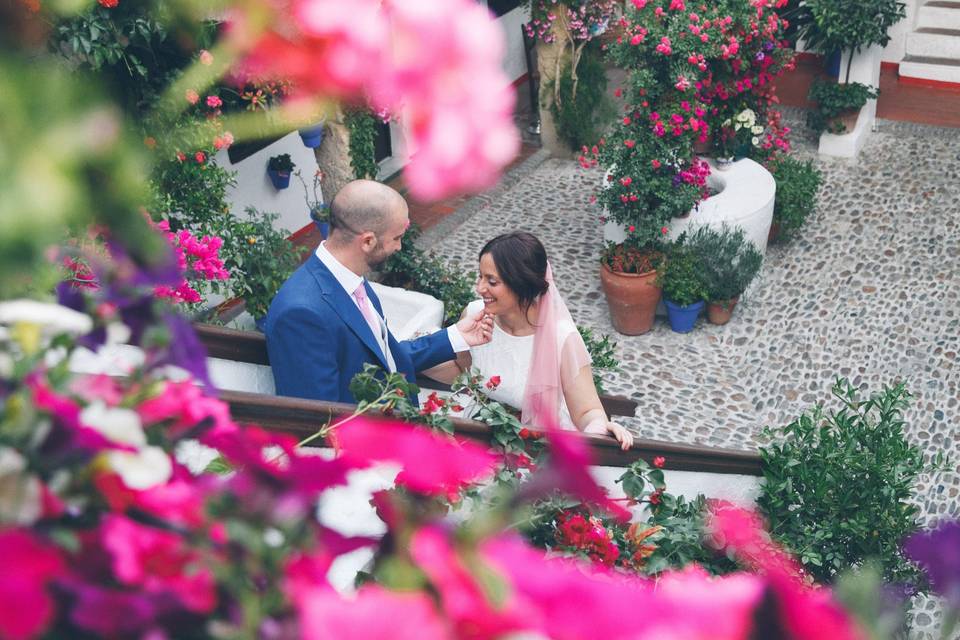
[536,350]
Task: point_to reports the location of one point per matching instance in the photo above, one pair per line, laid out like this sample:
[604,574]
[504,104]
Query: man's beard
[375,262]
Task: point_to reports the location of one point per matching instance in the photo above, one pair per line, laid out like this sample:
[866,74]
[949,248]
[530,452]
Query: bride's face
[497,296]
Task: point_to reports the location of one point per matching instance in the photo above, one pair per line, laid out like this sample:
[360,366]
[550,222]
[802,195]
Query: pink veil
[543,392]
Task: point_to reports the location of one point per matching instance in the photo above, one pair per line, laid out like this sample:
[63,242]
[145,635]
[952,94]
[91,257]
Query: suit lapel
[345,307]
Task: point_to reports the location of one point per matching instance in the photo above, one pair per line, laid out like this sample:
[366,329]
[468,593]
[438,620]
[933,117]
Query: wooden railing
[300,417]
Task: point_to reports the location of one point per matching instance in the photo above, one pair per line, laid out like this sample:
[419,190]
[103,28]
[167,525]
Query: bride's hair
[521,262]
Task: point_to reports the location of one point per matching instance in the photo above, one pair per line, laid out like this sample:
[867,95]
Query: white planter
[865,69]
[745,199]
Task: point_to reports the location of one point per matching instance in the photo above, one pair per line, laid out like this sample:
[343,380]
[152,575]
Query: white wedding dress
[509,356]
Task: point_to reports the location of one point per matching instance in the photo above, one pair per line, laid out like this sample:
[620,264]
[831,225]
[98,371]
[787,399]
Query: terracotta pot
[632,298]
[720,312]
[774,234]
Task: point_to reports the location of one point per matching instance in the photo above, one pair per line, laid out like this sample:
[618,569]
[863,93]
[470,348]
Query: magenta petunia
[29,565]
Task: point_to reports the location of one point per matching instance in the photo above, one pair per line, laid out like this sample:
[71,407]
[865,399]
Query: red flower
[658,462]
[524,433]
[630,143]
[664,230]
[655,163]
[631,228]
[200,157]
[109,4]
[493,382]
[655,497]
[181,156]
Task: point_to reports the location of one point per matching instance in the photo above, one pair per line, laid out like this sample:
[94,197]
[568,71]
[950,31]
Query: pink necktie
[365,308]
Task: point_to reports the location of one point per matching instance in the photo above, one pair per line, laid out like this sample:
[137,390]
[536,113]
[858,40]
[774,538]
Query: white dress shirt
[350,281]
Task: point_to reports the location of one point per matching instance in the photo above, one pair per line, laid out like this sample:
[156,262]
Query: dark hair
[521,262]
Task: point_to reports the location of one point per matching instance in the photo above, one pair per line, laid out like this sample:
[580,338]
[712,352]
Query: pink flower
[655,163]
[214,102]
[637,39]
[664,46]
[659,462]
[206,58]
[677,5]
[158,561]
[629,143]
[431,464]
[29,565]
[639,4]
[200,157]
[192,96]
[625,181]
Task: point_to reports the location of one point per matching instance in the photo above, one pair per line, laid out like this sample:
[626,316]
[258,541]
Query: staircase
[933,49]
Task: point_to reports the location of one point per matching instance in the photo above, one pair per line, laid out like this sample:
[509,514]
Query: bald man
[326,322]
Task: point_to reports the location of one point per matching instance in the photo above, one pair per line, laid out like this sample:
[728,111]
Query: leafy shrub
[414,268]
[797,185]
[681,276]
[192,195]
[602,352]
[581,117]
[839,487]
[363,132]
[729,261]
[281,162]
[833,100]
[259,258]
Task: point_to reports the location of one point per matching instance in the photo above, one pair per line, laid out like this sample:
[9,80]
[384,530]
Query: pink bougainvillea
[435,63]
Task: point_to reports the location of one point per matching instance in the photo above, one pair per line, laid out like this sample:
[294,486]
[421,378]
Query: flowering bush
[740,134]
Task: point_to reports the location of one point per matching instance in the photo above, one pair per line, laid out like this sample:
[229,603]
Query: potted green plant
[684,291]
[797,184]
[729,263]
[279,169]
[319,211]
[628,278]
[838,105]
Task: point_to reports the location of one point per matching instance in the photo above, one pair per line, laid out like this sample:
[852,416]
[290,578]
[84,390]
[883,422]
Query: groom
[326,322]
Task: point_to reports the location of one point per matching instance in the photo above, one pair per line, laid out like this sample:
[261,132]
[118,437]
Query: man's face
[390,241]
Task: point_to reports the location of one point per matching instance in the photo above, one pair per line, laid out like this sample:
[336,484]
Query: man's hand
[477,329]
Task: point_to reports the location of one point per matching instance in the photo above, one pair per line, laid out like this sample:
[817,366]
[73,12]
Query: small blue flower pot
[324,228]
[833,63]
[312,136]
[280,179]
[682,318]
[261,324]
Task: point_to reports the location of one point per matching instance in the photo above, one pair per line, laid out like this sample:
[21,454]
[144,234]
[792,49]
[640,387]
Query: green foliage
[391,393]
[839,487]
[281,162]
[66,162]
[602,352]
[135,47]
[833,100]
[414,268]
[363,131]
[728,260]
[827,26]
[681,275]
[258,257]
[581,117]
[797,185]
[190,194]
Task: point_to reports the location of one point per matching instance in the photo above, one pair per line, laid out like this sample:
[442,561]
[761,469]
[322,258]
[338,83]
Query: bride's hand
[623,436]
[477,329]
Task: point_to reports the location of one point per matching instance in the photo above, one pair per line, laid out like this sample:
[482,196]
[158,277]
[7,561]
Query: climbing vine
[363,130]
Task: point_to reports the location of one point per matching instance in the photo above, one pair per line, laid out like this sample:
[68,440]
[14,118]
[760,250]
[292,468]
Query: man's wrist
[457,340]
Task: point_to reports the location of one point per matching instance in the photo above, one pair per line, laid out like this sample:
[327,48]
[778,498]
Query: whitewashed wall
[254,188]
[514,63]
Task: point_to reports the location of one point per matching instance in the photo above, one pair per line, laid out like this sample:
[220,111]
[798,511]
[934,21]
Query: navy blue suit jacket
[318,340]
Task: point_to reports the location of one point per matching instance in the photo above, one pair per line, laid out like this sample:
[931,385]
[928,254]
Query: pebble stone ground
[870,291]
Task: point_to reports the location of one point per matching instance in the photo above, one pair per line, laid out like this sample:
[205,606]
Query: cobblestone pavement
[869,291]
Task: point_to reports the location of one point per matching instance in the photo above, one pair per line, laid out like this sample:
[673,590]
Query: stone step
[939,15]
[931,42]
[929,68]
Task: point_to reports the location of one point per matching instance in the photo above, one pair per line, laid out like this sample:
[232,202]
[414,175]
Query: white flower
[737,126]
[755,141]
[117,425]
[53,319]
[757,130]
[21,494]
[146,468]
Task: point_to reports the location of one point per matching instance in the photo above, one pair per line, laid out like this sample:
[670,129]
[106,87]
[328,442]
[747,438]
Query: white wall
[896,48]
[254,188]
[514,63]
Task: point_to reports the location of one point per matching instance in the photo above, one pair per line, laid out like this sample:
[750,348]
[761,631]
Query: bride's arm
[447,372]
[585,407]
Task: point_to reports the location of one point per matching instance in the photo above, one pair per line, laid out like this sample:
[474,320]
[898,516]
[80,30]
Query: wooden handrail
[300,418]
[251,347]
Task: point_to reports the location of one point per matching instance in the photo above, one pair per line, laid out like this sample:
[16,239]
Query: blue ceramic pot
[682,318]
[312,136]
[280,179]
[261,324]
[833,64]
[324,228]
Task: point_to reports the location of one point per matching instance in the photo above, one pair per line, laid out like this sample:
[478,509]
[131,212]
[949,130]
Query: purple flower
[938,552]
[768,46]
[760,56]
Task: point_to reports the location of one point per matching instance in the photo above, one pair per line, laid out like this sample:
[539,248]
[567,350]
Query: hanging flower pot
[682,318]
[312,136]
[279,169]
